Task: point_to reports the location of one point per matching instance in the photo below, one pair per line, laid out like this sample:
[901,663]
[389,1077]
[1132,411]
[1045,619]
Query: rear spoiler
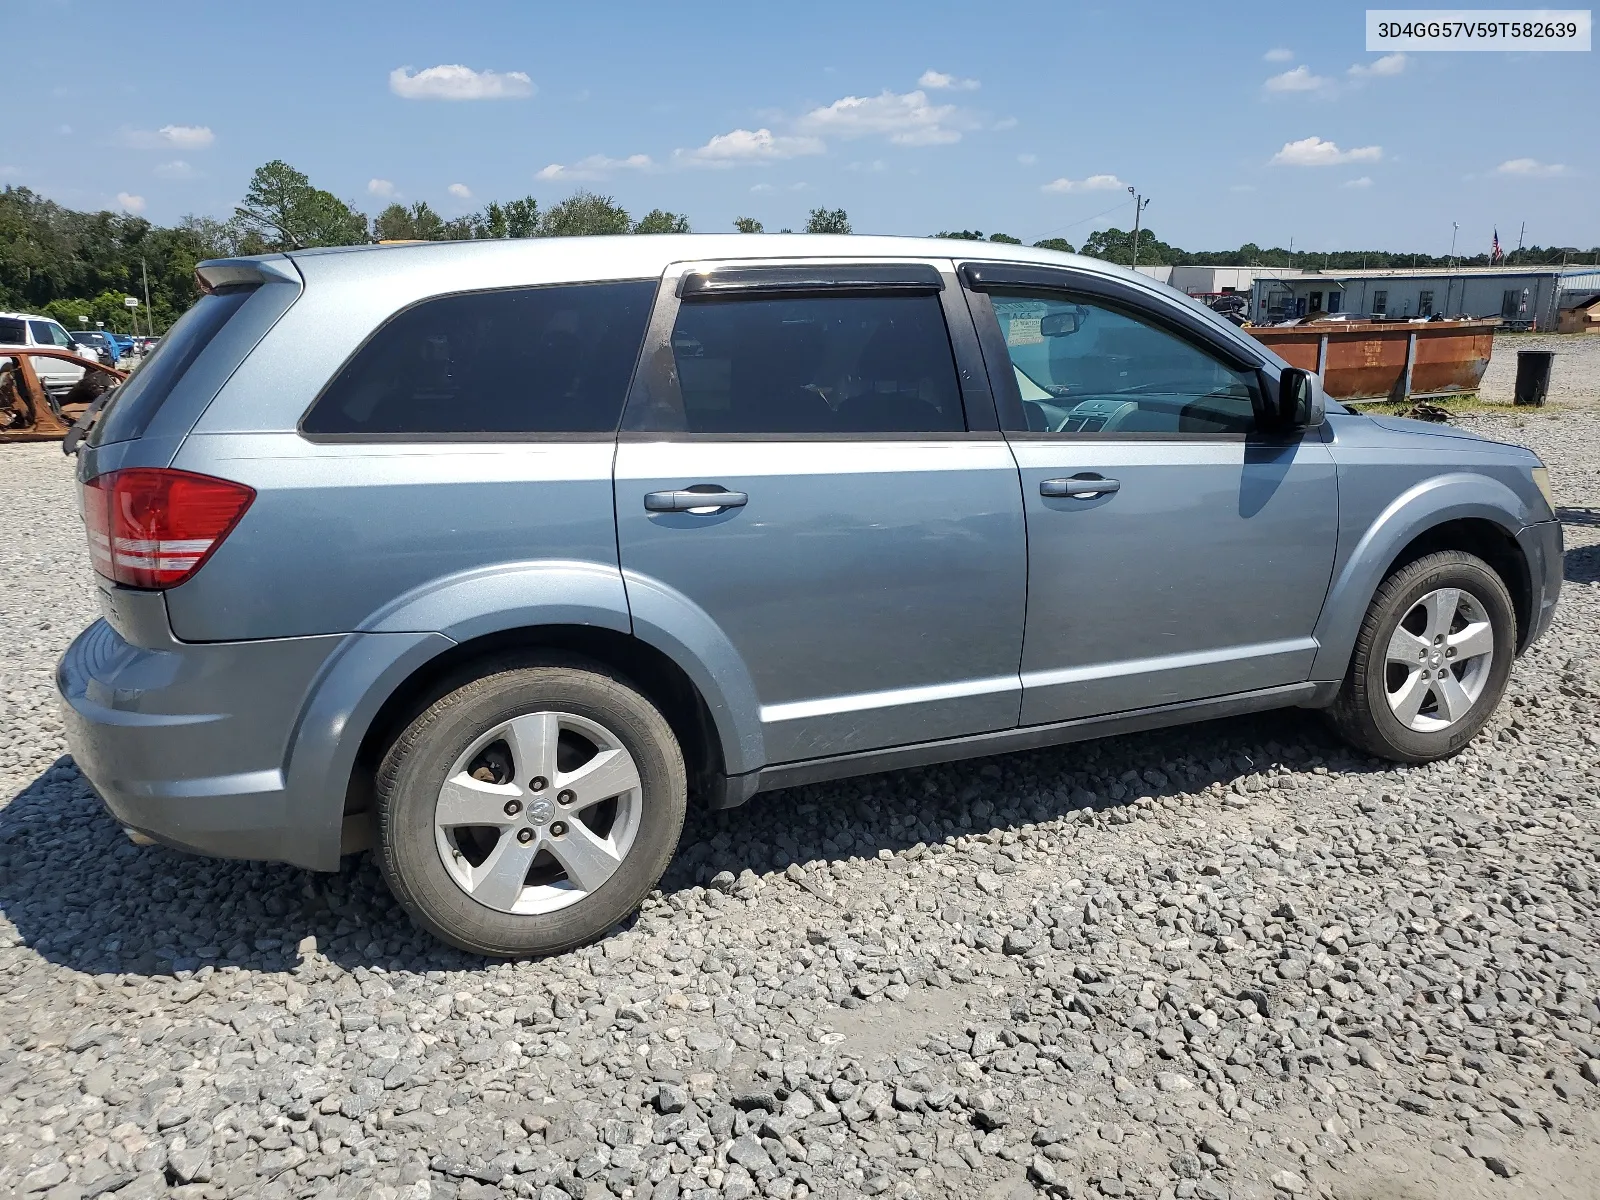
[244,272]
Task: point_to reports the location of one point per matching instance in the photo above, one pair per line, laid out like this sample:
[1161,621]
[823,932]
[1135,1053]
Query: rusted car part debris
[29,413]
[1386,360]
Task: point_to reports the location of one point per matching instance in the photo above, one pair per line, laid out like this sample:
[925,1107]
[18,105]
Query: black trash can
[1533,375]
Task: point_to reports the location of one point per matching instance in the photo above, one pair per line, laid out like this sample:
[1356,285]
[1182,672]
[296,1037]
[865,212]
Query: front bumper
[1542,549]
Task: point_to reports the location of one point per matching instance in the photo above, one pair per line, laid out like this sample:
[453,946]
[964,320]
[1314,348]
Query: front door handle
[708,500]
[1080,487]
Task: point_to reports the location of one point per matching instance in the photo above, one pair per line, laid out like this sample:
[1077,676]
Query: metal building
[1523,297]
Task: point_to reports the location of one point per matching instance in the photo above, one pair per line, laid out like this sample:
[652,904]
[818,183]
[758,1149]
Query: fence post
[1411,358]
[1322,355]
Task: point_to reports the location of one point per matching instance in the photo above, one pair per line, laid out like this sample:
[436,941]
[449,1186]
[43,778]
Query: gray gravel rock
[1214,962]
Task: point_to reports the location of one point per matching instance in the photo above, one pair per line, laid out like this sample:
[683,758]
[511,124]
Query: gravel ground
[1228,961]
[1572,375]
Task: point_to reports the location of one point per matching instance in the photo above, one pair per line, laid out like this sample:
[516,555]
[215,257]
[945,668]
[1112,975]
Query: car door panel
[1174,553]
[1202,575]
[873,589]
[873,582]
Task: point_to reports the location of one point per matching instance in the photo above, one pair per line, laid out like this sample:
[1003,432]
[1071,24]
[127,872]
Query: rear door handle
[712,499]
[1080,487]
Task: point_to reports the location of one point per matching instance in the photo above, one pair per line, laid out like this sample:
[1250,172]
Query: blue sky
[1241,122]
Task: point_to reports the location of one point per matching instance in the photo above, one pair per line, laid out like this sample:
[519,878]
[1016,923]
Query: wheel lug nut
[566,796]
[557,829]
[524,836]
[538,783]
[513,807]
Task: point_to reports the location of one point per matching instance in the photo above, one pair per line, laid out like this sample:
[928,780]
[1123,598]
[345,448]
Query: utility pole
[1139,203]
[149,319]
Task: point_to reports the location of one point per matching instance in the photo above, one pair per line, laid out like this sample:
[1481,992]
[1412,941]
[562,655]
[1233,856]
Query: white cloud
[1364,182]
[905,119]
[176,169]
[750,145]
[1530,167]
[1389,64]
[762,187]
[1314,152]
[596,166]
[183,137]
[876,164]
[1005,123]
[1278,54]
[1300,79]
[460,191]
[380,187]
[132,203]
[1242,187]
[190,137]
[937,80]
[1027,160]
[1095,183]
[452,81]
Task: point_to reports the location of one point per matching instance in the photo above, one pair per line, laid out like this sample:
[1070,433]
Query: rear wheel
[530,810]
[1432,660]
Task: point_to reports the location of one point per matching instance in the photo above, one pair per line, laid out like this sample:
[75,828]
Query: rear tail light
[150,527]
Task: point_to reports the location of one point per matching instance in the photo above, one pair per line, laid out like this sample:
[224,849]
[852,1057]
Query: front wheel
[1431,662]
[530,810]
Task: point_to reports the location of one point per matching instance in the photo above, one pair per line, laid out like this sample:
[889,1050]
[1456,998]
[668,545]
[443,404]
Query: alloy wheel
[538,812]
[1438,660]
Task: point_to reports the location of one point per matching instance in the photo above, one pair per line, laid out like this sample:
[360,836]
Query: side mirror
[1060,324]
[1299,402]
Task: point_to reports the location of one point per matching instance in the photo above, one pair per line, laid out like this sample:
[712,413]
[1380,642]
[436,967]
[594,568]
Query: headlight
[1541,480]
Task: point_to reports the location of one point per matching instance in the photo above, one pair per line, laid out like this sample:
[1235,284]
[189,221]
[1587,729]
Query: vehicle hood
[1425,428]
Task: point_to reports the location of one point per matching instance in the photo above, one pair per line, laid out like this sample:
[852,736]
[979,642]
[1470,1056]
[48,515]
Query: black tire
[415,768]
[1362,713]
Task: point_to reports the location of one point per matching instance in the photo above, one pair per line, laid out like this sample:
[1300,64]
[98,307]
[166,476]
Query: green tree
[1061,244]
[1005,239]
[748,225]
[1116,245]
[522,218]
[962,235]
[585,214]
[824,220]
[658,221]
[287,213]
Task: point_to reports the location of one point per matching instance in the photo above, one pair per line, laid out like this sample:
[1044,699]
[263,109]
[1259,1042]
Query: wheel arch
[654,673]
[1459,511]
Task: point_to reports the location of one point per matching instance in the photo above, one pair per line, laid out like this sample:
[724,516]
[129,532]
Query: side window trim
[1063,284]
[656,373]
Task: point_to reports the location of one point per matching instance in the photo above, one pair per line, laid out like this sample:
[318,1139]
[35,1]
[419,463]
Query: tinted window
[48,333]
[827,364]
[135,402]
[528,360]
[1085,368]
[12,332]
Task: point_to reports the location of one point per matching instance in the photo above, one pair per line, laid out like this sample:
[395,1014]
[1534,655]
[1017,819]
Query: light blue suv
[496,553]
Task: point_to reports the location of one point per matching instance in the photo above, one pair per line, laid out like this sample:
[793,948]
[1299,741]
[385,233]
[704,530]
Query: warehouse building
[1523,297]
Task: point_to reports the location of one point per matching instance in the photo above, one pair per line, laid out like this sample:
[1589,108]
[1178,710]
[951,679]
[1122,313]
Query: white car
[25,330]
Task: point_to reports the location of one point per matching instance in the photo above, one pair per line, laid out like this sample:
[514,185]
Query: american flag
[1495,253]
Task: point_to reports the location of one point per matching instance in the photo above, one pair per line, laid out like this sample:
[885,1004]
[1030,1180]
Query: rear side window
[545,360]
[137,400]
[12,332]
[853,365]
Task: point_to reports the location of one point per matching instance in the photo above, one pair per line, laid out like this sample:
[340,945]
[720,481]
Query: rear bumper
[237,749]
[1542,547]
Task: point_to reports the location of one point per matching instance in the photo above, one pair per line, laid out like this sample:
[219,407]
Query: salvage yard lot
[1233,960]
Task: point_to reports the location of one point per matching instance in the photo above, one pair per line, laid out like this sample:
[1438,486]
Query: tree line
[70,264]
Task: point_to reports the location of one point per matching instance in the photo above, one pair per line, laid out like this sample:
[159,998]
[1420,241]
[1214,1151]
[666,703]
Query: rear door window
[12,332]
[136,401]
[830,365]
[516,362]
